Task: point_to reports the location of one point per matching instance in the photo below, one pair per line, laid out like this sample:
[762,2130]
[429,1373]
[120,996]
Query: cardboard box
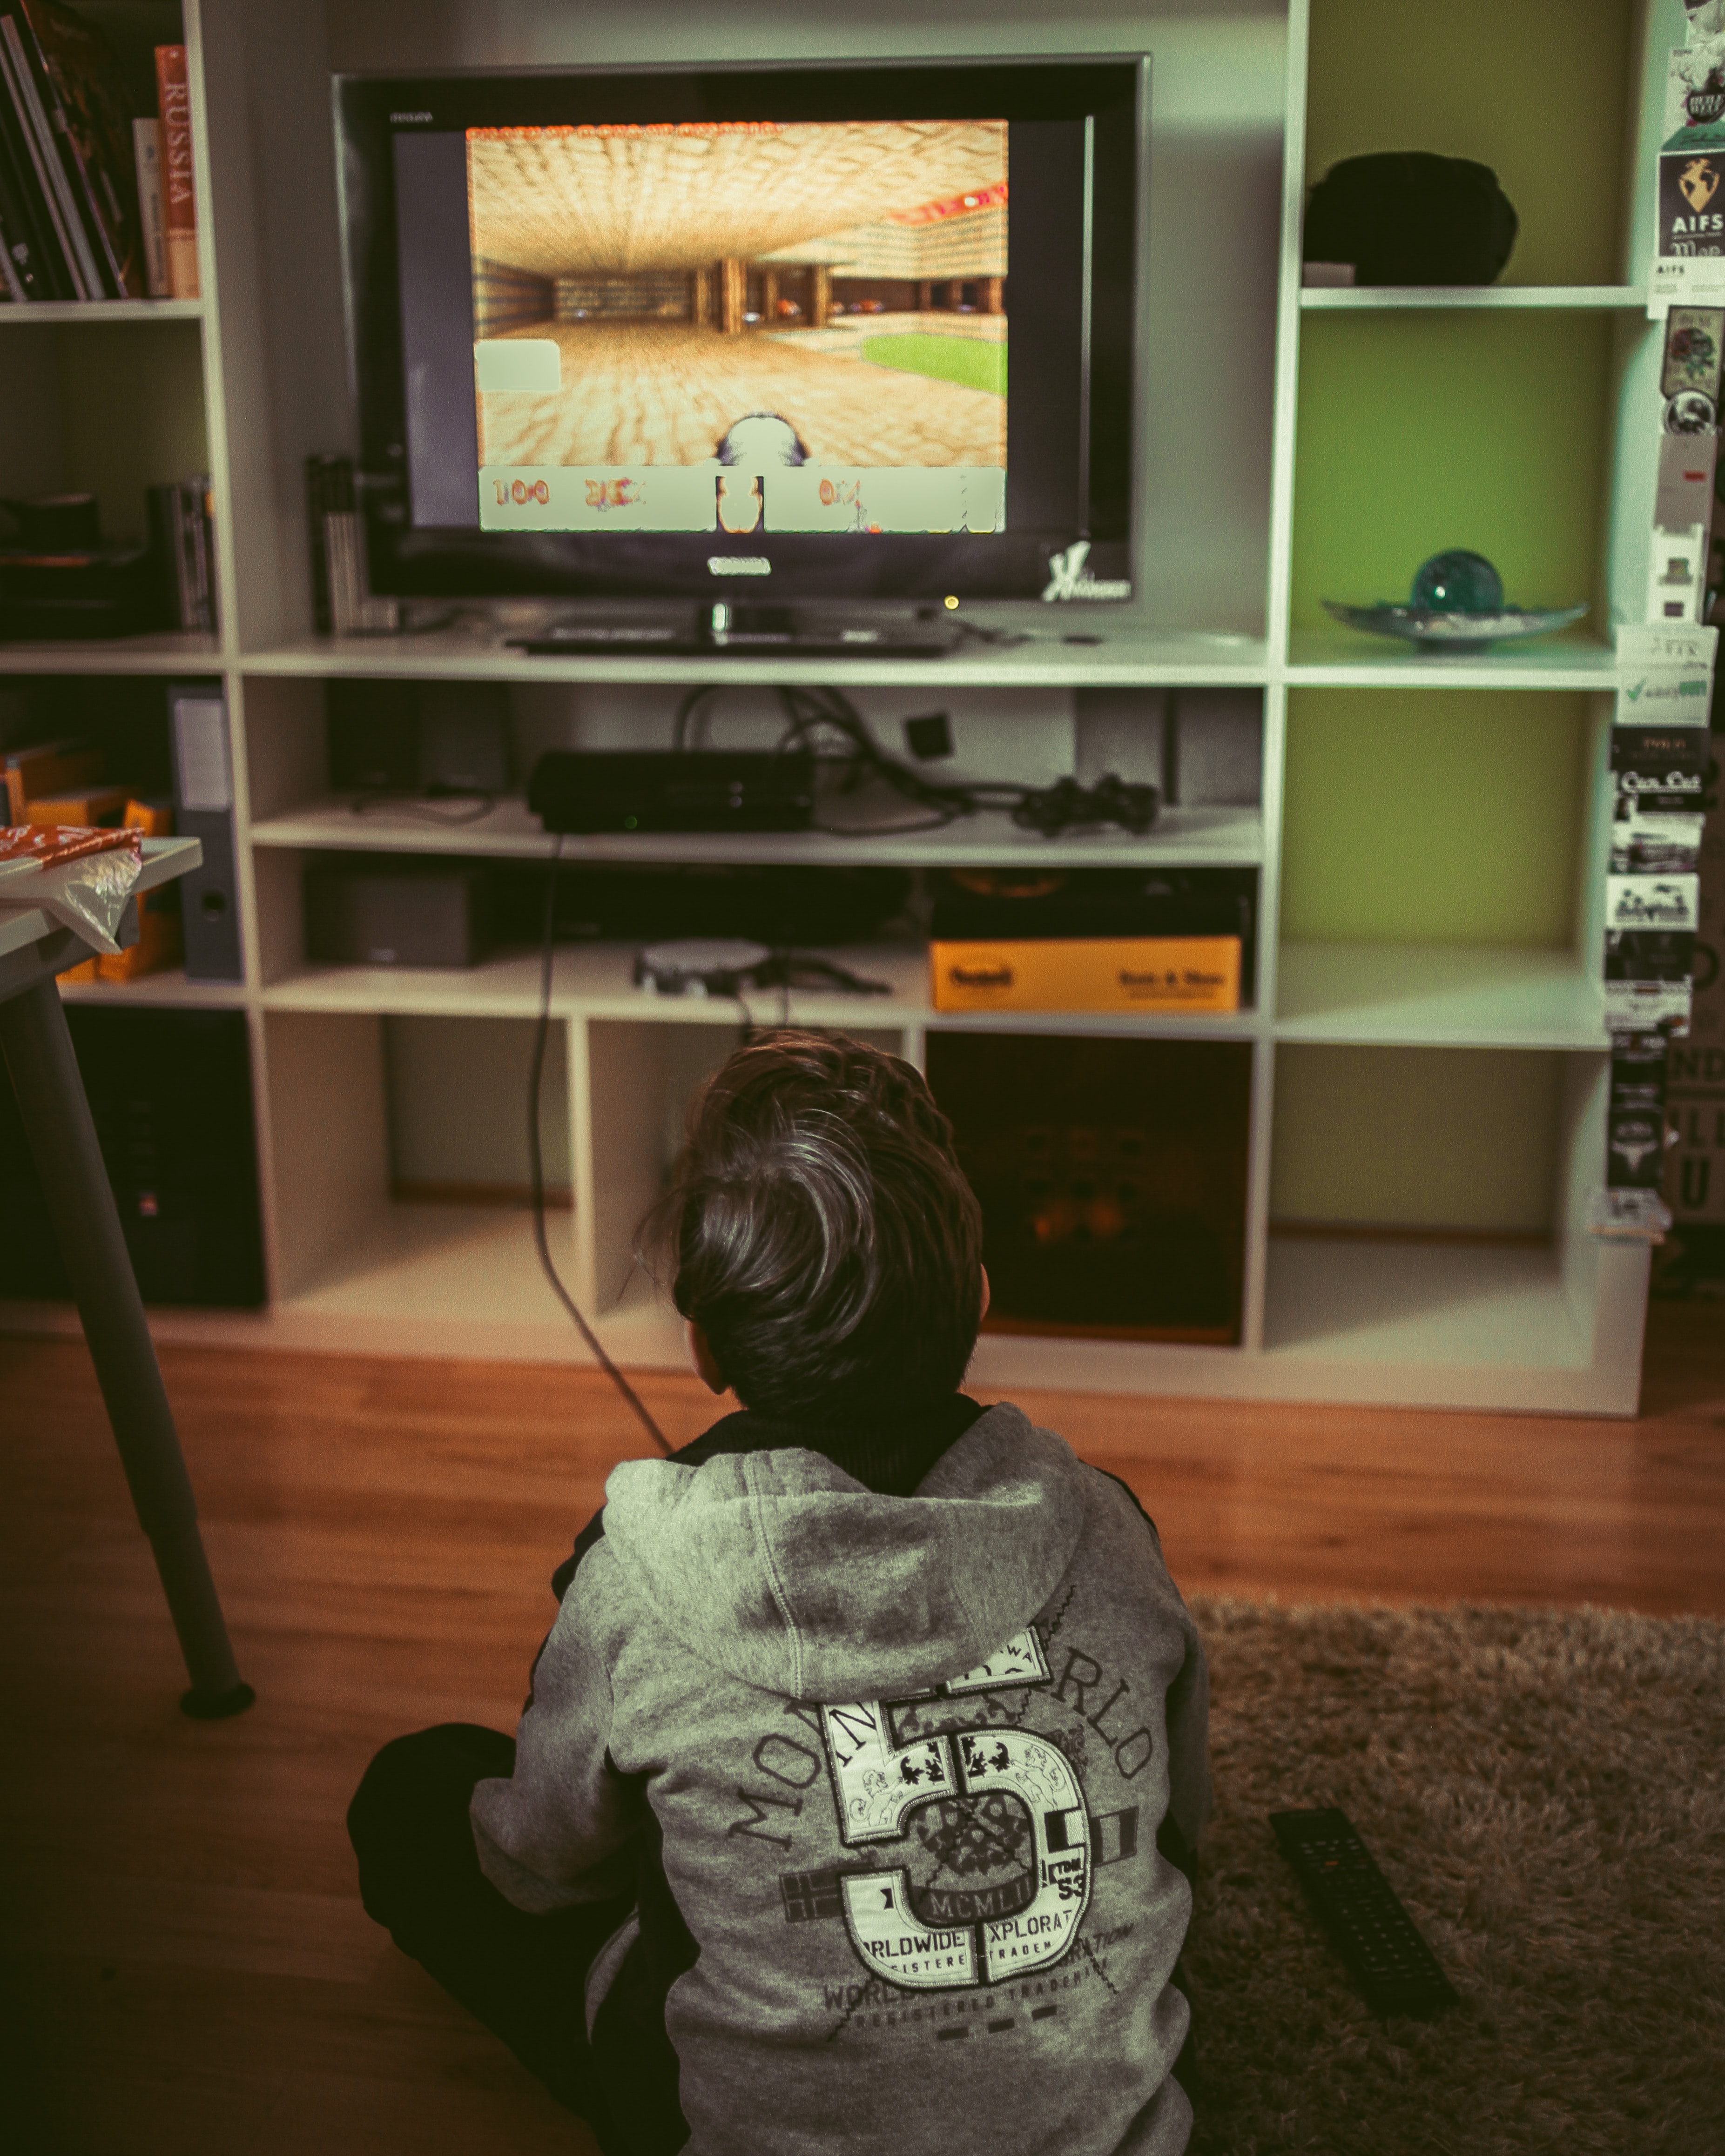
[92,808]
[160,944]
[1088,973]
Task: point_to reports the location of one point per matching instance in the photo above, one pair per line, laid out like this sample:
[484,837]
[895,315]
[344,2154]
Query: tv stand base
[723,631]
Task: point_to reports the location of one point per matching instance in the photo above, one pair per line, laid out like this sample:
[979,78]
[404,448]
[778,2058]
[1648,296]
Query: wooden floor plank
[184,1966]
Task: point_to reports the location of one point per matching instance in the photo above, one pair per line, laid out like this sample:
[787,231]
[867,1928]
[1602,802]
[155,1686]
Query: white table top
[164,859]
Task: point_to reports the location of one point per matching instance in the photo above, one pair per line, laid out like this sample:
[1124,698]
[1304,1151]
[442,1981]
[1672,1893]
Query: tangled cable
[828,725]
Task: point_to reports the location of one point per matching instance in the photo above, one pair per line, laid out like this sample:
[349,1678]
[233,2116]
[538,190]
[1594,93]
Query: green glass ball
[1458,581]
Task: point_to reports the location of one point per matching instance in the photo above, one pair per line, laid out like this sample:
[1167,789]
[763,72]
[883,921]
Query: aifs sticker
[1691,202]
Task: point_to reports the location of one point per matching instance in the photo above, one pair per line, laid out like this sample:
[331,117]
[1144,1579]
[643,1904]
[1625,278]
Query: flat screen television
[742,333]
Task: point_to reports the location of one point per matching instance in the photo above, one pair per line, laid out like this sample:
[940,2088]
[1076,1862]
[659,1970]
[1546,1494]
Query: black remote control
[1394,1967]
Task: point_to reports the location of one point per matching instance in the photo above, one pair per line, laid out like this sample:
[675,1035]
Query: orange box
[1089,973]
[159,944]
[89,809]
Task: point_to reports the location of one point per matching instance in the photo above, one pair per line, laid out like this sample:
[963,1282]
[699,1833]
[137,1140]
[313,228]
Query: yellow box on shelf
[1088,973]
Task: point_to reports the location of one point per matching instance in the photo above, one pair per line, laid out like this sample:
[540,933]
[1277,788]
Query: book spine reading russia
[97,198]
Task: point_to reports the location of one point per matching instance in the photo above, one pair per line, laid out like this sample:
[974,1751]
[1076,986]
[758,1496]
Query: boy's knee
[420,1784]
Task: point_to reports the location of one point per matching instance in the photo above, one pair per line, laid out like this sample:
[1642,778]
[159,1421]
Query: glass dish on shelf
[1457,604]
[1432,629]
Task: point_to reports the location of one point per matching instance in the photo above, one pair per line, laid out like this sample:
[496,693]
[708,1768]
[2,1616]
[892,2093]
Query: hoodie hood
[786,1572]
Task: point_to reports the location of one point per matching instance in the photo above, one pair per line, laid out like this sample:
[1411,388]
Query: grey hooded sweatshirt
[901,1762]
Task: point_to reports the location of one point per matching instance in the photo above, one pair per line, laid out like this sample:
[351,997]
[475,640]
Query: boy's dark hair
[822,1233]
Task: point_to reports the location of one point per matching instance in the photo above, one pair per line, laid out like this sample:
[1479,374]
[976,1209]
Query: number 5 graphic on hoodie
[879,1783]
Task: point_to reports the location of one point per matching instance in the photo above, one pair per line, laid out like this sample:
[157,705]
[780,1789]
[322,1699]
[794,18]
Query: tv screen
[844,332]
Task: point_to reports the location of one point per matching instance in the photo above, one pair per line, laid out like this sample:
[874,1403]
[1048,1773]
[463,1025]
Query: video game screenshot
[741,326]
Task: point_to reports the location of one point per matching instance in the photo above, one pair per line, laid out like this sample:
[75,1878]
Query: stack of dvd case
[343,603]
[182,543]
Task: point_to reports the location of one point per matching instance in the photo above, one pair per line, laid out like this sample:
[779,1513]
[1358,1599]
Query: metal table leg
[37,1051]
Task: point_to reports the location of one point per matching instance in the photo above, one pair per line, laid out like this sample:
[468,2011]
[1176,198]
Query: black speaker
[379,911]
[464,737]
[171,1095]
[413,737]
[373,736]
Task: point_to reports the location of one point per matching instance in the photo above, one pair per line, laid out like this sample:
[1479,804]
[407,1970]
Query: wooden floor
[184,1966]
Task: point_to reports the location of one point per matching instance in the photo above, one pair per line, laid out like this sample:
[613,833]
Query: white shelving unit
[1387,1312]
[1623,299]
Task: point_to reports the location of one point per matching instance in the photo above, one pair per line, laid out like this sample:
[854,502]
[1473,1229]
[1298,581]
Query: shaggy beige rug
[1546,1791]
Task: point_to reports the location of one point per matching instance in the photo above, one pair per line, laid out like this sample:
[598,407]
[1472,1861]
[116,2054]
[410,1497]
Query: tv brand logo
[738,565]
[1066,579]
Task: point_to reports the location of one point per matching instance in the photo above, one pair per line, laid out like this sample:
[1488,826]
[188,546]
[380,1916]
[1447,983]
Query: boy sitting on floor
[832,1819]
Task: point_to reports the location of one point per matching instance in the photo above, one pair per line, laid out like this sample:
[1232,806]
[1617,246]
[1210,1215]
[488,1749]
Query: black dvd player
[576,790]
[739,632]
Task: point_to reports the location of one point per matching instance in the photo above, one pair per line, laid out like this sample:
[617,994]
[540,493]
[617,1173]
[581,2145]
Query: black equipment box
[673,790]
[1028,901]
[780,904]
[364,911]
[170,1096]
[103,591]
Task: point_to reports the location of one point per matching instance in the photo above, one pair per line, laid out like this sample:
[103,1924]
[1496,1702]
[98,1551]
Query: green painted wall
[1419,432]
[1415,1137]
[1535,88]
[1430,816]
[1433,816]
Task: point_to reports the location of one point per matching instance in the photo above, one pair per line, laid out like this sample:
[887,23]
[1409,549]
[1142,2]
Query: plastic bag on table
[81,878]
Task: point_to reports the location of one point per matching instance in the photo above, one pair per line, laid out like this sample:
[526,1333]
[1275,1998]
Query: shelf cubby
[1419,432]
[1112,1178]
[1459,818]
[1470,995]
[100,401]
[1536,91]
[1460,1143]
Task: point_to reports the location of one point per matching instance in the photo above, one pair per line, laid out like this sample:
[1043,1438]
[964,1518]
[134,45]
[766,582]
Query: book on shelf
[179,193]
[34,153]
[182,542]
[89,110]
[70,218]
[342,601]
[147,156]
[33,254]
